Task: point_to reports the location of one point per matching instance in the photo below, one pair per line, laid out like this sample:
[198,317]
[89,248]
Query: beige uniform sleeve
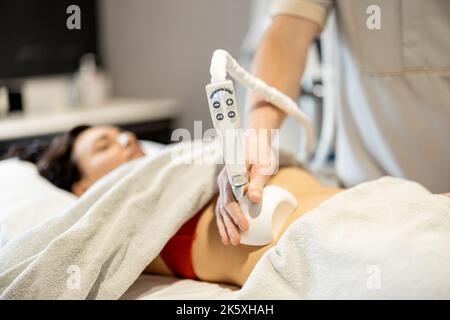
[314,10]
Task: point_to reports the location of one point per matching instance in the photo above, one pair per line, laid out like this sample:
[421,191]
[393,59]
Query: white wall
[162,48]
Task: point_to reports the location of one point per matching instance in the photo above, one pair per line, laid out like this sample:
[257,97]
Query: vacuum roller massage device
[266,218]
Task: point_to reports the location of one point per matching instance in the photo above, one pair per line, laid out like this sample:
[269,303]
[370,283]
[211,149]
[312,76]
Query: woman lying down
[76,160]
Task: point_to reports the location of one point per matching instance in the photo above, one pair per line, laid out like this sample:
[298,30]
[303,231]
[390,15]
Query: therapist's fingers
[232,229]
[232,206]
[227,199]
[235,212]
[257,180]
[221,227]
[221,212]
[262,163]
[229,203]
[229,217]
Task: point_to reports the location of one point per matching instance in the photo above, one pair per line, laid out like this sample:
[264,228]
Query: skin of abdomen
[215,262]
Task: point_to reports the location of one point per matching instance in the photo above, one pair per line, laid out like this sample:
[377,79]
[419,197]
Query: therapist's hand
[229,217]
[279,60]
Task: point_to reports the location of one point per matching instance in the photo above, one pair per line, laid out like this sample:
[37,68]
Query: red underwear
[177,253]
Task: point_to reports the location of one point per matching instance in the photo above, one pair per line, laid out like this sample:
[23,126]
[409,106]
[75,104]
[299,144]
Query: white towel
[98,248]
[385,239]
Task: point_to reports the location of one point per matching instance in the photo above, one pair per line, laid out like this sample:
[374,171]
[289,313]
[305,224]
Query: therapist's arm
[280,61]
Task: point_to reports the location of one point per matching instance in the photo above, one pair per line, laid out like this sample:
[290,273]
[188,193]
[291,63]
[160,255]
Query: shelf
[115,111]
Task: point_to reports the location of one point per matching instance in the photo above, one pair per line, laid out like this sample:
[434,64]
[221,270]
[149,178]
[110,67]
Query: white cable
[222,62]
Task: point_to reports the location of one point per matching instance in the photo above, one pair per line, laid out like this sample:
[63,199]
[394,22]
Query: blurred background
[140,64]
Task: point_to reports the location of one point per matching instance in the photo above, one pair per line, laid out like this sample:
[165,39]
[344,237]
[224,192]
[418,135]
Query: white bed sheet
[155,287]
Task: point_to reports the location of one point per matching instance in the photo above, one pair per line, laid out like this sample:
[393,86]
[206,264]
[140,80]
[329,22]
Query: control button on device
[219,116]
[216,104]
[231,114]
[229,102]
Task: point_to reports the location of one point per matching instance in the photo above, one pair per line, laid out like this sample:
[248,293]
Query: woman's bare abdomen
[215,262]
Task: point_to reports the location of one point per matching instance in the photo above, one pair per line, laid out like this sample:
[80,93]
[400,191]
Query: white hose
[222,62]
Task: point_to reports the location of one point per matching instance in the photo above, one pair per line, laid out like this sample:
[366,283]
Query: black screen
[34,38]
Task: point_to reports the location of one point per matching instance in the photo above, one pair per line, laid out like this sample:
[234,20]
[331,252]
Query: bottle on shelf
[93,85]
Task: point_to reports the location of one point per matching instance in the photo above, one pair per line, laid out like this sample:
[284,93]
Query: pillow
[151,147]
[26,198]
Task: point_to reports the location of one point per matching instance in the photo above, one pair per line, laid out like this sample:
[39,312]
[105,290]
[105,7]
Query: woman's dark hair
[54,162]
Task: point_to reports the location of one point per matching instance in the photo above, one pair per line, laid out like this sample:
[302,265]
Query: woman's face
[99,150]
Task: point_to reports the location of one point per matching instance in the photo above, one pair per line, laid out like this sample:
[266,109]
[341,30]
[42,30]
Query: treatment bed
[384,239]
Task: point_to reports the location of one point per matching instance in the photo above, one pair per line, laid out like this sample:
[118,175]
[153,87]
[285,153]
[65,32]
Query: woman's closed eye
[102,144]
